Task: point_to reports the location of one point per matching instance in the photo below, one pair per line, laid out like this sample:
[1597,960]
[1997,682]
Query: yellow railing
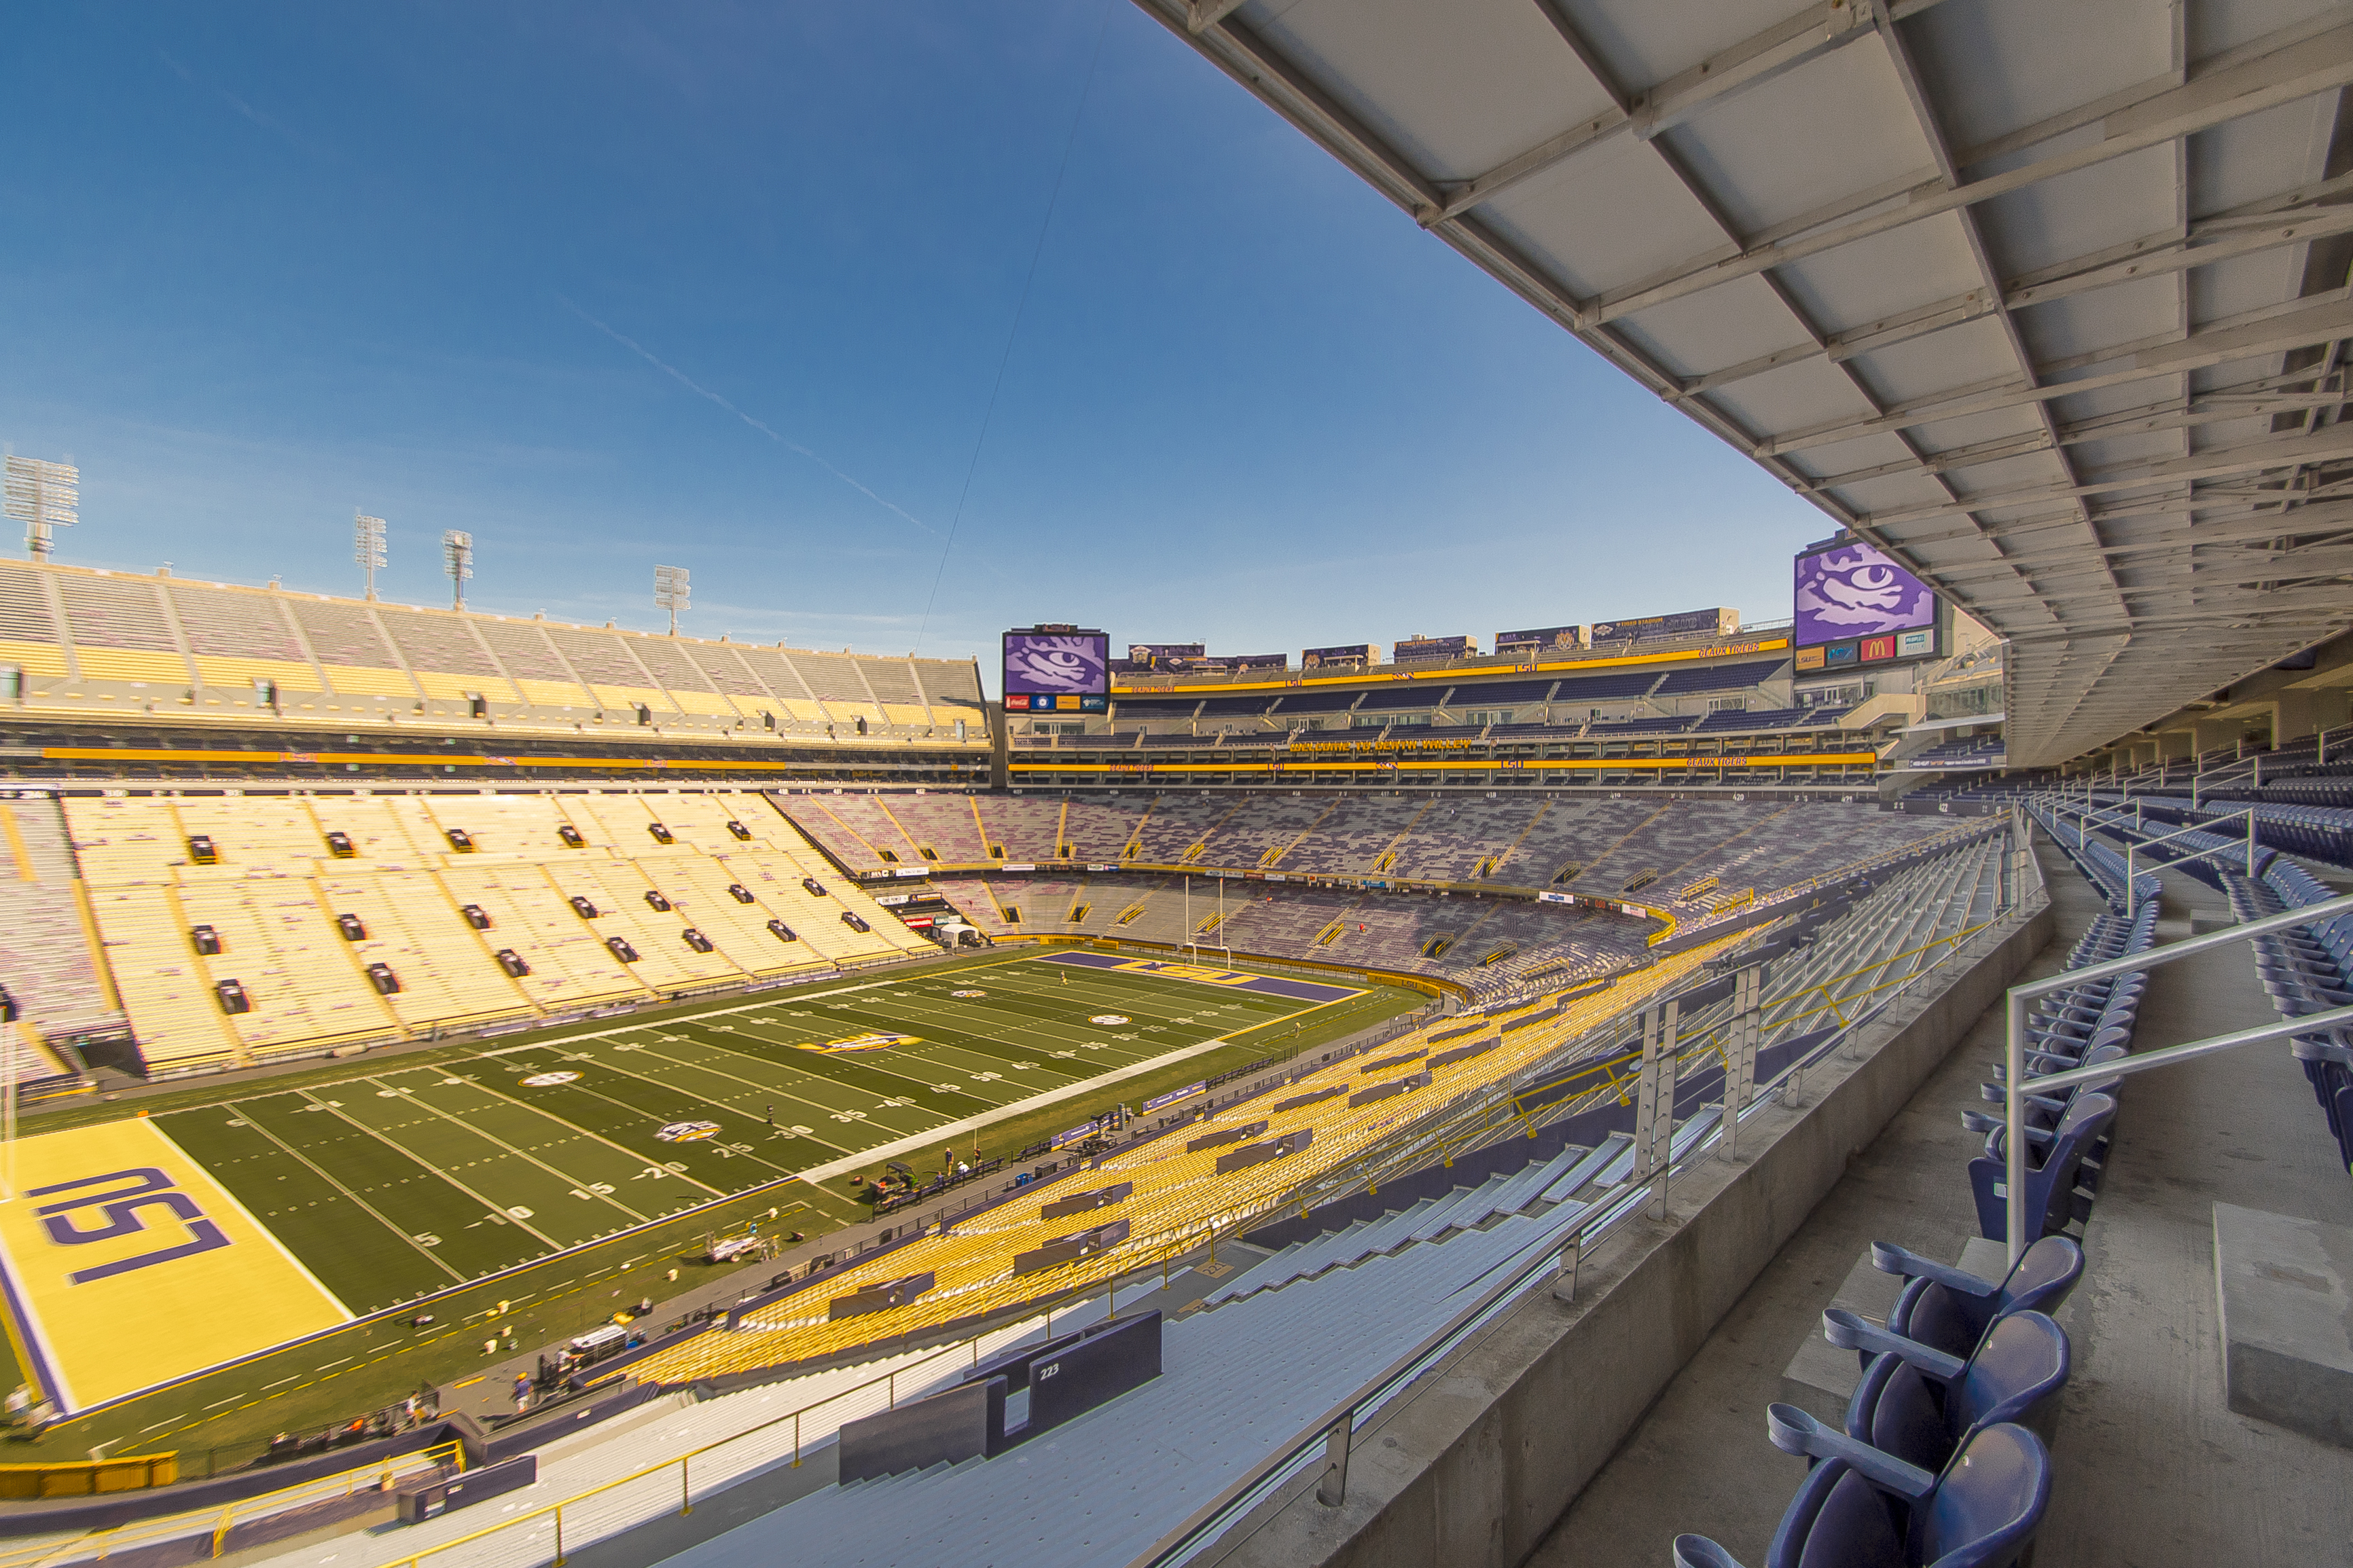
[218,1524]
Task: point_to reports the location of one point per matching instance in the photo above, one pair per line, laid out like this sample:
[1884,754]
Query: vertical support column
[1333,1490]
[1654,1129]
[1740,1061]
[1646,1094]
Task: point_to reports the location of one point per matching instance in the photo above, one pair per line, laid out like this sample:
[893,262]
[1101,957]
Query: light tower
[367,546]
[42,496]
[671,593]
[457,561]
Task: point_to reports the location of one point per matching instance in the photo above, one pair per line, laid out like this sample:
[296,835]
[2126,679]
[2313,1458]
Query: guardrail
[2016,1085]
[1334,1431]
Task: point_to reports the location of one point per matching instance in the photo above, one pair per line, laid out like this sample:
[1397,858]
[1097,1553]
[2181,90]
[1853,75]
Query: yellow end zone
[127,1266]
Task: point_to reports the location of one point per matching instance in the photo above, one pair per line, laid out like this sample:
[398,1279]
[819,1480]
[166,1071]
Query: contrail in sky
[789,444]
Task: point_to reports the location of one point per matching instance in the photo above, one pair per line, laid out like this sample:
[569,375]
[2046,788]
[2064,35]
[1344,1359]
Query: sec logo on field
[967,993]
[686,1131]
[550,1079]
[1108,1018]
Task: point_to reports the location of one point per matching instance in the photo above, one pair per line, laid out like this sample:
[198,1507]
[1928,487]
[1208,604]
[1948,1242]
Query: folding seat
[1859,1508]
[1920,1406]
[1949,1309]
[2043,1113]
[2052,1180]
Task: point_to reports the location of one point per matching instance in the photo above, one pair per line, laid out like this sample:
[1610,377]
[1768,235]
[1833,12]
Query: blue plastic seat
[1922,1406]
[1859,1508]
[2052,1172]
[1949,1309]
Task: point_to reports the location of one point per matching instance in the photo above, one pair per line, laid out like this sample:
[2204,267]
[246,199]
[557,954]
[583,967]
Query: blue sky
[728,287]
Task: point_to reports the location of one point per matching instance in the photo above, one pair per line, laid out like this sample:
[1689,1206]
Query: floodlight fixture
[42,496]
[671,593]
[367,546]
[457,561]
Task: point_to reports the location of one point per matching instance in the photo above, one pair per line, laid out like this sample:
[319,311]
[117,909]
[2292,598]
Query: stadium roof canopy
[2045,297]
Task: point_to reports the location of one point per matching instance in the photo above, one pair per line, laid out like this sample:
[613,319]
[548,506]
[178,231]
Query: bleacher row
[1685,854]
[1486,697]
[2306,971]
[1487,944]
[1693,858]
[1322,1117]
[2318,832]
[1941,1458]
[101,641]
[2102,865]
[242,927]
[1727,721]
[45,957]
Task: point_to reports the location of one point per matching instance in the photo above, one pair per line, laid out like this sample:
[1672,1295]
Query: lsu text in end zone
[128,1266]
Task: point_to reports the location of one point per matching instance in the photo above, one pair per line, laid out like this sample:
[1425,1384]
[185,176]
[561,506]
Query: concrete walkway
[2152,1469]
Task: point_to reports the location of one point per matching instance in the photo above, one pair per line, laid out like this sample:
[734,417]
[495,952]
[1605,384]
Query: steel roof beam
[2249,400]
[2316,319]
[2298,71]
[2281,451]
[2143,258]
[1645,112]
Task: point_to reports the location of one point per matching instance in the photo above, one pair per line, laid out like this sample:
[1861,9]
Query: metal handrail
[216,1523]
[2015,1086]
[1565,1255]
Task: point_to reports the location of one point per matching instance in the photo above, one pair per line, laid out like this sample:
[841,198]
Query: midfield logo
[119,1207]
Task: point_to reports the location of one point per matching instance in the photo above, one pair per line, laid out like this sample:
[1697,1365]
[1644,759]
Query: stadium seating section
[115,645]
[435,888]
[1693,860]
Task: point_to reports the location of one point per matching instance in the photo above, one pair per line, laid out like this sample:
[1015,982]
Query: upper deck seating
[1312,701]
[1721,676]
[1618,688]
[222,652]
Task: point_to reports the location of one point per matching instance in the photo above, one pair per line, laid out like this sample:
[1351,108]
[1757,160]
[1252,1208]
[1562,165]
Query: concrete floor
[2152,1470]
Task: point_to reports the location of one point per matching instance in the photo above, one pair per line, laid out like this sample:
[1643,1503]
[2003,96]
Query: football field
[366,1187]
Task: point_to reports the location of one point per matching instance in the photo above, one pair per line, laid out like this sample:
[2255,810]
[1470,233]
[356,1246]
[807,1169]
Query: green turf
[418,1173]
[395,1183]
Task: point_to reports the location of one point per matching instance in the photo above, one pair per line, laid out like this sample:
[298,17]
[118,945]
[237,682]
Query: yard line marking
[576,1183]
[282,1382]
[364,1207]
[330,1363]
[499,1209]
[640,1112]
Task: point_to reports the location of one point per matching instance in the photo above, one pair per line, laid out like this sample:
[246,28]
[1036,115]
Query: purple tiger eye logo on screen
[1856,591]
[1040,665]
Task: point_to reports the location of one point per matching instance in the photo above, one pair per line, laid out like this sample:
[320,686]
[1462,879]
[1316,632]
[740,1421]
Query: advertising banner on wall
[1542,638]
[1687,623]
[1853,590]
[1057,671]
[1164,655]
[1352,654]
[1422,650]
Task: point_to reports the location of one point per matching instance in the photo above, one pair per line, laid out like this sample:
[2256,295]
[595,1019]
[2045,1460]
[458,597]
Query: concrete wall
[1474,1463]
